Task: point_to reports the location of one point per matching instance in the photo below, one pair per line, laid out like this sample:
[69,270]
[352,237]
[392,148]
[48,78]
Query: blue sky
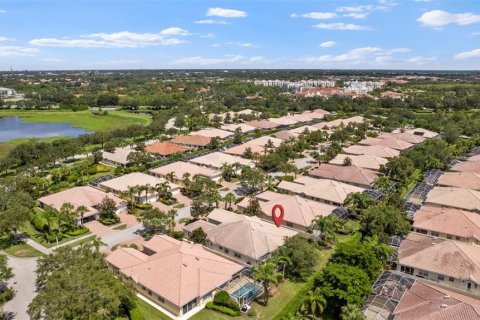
[124,34]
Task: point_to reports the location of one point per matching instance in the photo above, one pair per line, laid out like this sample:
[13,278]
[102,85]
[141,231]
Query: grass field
[144,311]
[22,250]
[81,119]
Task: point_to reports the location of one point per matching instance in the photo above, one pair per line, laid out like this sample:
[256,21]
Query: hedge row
[222,309]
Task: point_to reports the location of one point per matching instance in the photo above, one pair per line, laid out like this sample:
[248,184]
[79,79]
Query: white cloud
[124,39]
[423,0]
[359,55]
[315,15]
[10,51]
[439,18]
[356,15]
[114,63]
[420,60]
[6,39]
[362,11]
[476,33]
[210,21]
[223,62]
[226,13]
[2,11]
[328,44]
[236,44]
[342,26]
[468,54]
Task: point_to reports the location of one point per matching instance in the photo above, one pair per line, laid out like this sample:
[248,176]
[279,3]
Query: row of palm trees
[134,193]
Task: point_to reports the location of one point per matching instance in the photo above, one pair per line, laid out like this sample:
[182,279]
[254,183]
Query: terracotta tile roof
[298,210]
[200,141]
[375,150]
[262,141]
[79,196]
[460,198]
[467,166]
[451,221]
[118,156]
[178,271]
[387,142]
[404,136]
[180,168]
[218,159]
[257,237]
[243,126]
[441,256]
[285,135]
[212,132]
[363,161]
[283,121]
[165,148]
[418,132]
[241,148]
[347,174]
[122,183]
[338,122]
[324,189]
[468,180]
[262,124]
[425,301]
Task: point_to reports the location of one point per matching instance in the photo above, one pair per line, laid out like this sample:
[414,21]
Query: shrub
[252,312]
[38,221]
[145,206]
[110,221]
[6,295]
[222,298]
[210,305]
[77,232]
[133,246]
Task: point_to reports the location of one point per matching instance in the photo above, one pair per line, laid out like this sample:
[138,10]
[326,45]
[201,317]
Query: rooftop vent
[443,306]
[446,297]
[185,265]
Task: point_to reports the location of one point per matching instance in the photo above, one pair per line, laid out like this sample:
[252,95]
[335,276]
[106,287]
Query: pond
[15,128]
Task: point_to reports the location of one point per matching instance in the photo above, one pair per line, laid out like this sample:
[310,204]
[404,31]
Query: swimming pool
[246,292]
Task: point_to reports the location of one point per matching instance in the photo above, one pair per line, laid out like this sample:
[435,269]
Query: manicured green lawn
[144,311]
[33,234]
[7,146]
[22,250]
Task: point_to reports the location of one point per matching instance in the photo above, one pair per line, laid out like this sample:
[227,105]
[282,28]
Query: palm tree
[80,211]
[187,183]
[228,172]
[266,273]
[171,176]
[284,261]
[357,202]
[67,214]
[171,214]
[328,227]
[314,304]
[270,183]
[228,199]
[139,190]
[163,190]
[131,191]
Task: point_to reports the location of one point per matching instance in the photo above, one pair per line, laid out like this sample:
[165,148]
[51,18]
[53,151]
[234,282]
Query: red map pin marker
[277,219]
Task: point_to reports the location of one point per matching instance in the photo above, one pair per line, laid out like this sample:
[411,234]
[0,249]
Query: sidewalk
[37,246]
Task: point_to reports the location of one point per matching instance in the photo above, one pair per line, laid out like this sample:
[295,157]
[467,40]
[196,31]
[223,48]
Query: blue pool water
[247,291]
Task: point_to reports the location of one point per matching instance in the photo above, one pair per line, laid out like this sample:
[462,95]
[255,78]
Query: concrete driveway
[24,285]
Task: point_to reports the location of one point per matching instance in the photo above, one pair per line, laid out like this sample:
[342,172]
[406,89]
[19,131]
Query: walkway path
[24,285]
[37,246]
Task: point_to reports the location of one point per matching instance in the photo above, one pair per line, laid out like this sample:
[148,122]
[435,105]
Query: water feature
[15,128]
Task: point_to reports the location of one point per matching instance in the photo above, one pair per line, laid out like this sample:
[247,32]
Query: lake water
[15,128]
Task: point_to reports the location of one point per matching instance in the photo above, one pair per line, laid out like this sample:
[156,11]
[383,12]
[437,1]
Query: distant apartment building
[295,84]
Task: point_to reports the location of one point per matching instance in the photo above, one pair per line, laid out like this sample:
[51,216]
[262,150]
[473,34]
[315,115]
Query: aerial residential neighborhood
[218,160]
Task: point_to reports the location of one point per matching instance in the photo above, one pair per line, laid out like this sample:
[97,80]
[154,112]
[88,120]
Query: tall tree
[266,273]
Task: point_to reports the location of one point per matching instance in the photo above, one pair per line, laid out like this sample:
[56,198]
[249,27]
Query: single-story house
[165,148]
[264,140]
[363,161]
[181,168]
[299,212]
[339,122]
[262,124]
[250,240]
[118,157]
[121,185]
[448,223]
[418,132]
[241,148]
[322,190]
[191,141]
[460,198]
[212,133]
[285,135]
[467,180]
[404,136]
[376,150]
[357,176]
[87,196]
[450,263]
[392,143]
[178,276]
[283,121]
[244,128]
[216,160]
[467,166]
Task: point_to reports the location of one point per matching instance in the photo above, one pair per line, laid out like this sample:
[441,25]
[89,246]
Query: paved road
[123,235]
[24,285]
